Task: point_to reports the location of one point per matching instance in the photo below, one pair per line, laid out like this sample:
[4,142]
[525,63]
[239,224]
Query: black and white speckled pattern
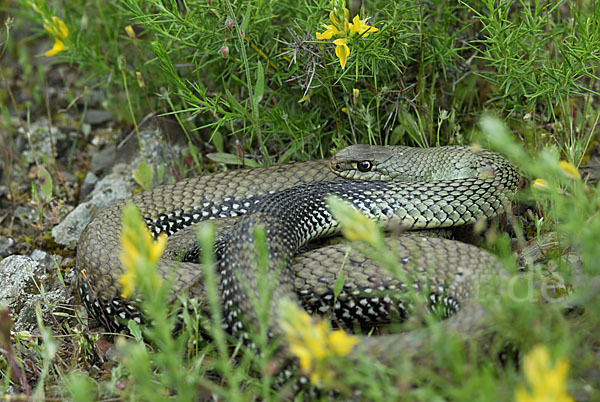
[370,295]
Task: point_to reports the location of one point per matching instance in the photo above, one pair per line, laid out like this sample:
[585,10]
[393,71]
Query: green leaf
[135,330]
[339,284]
[259,89]
[45,182]
[144,175]
[231,159]
[160,172]
[194,153]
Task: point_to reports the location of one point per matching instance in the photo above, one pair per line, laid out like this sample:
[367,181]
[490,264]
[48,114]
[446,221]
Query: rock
[116,186]
[103,159]
[41,141]
[97,116]
[28,281]
[6,244]
[89,181]
[591,170]
[119,184]
[25,213]
[50,301]
[17,273]
[153,144]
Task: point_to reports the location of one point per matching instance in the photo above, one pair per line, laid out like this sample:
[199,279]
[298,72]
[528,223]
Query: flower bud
[224,50]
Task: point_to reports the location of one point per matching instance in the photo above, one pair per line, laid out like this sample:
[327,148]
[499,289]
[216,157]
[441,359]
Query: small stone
[6,244]
[17,273]
[87,185]
[97,116]
[103,159]
[114,187]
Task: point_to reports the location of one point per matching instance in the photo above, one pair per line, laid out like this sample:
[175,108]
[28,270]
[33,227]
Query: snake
[405,187]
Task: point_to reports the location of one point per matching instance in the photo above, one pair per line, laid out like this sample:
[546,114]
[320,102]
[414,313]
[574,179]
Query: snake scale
[411,187]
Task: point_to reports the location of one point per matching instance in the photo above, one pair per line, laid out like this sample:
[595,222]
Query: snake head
[369,162]
[363,162]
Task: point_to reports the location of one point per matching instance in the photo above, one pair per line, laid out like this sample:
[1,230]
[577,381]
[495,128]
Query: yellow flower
[355,225]
[360,27]
[340,26]
[342,51]
[547,381]
[140,79]
[58,47]
[58,29]
[312,342]
[329,32]
[540,184]
[139,253]
[569,170]
[130,32]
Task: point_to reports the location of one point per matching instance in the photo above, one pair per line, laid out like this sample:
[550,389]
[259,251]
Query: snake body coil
[436,187]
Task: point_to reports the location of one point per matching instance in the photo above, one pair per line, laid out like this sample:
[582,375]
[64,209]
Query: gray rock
[153,142]
[41,140]
[97,116]
[28,281]
[103,159]
[17,275]
[6,244]
[89,181]
[119,184]
[25,213]
[49,302]
[116,186]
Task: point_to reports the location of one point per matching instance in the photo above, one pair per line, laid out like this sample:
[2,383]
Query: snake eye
[364,166]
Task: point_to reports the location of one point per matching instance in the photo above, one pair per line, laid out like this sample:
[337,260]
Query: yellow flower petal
[342,51]
[57,28]
[313,342]
[569,170]
[330,30]
[547,381]
[130,32]
[157,247]
[535,364]
[63,30]
[127,281]
[540,184]
[360,27]
[304,356]
[58,47]
[342,343]
[333,19]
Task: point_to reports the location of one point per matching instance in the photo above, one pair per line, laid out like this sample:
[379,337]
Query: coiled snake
[415,188]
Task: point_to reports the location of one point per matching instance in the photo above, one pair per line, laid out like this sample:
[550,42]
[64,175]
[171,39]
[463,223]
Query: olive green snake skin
[410,187]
